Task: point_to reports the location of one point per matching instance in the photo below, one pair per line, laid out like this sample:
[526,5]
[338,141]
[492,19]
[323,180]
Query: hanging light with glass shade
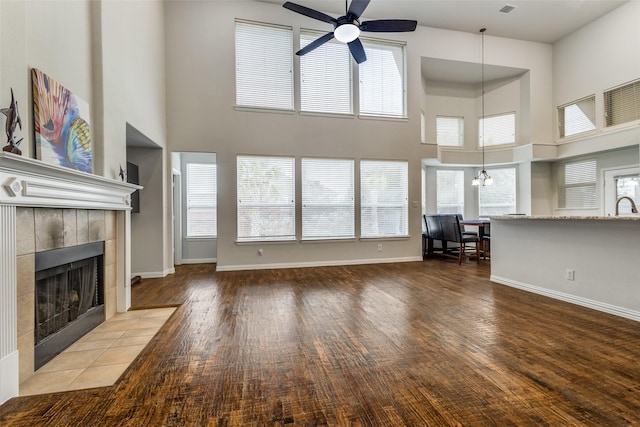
[483,177]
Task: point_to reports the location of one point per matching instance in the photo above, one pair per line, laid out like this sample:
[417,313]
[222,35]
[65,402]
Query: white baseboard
[585,302]
[200,261]
[155,274]
[9,379]
[314,264]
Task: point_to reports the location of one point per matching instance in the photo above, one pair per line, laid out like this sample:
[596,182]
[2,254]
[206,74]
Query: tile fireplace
[44,209]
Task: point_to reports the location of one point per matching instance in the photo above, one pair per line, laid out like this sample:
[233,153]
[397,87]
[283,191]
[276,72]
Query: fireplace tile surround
[45,207]
[52,229]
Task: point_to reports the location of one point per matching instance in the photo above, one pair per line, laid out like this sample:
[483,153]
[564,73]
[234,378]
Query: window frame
[213,206]
[289,205]
[460,194]
[306,203]
[562,122]
[563,187]
[367,42]
[402,206]
[460,129]
[482,129]
[277,91]
[482,188]
[632,110]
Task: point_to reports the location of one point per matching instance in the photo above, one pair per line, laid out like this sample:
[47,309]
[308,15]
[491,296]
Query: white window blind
[266,198]
[497,130]
[384,210]
[450,131]
[450,192]
[325,76]
[264,66]
[577,187]
[327,199]
[577,117]
[201,200]
[500,197]
[622,104]
[382,86]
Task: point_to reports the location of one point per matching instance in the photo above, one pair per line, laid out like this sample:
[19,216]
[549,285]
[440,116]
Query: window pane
[497,130]
[266,198]
[498,198]
[450,131]
[382,80]
[384,191]
[577,187]
[201,200]
[628,185]
[325,76]
[450,192]
[327,198]
[578,117]
[622,104]
[264,65]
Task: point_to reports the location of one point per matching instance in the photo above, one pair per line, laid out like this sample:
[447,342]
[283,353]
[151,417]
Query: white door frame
[176,180]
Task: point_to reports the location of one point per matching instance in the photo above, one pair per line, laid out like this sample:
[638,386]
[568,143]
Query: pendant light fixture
[483,177]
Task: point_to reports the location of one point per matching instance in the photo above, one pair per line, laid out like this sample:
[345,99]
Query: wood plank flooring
[412,344]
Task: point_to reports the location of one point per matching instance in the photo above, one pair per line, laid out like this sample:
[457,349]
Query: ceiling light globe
[346,33]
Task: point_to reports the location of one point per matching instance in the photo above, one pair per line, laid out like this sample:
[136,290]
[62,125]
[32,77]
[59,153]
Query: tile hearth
[99,358]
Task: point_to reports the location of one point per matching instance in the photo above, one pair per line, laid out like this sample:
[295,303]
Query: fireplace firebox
[69,297]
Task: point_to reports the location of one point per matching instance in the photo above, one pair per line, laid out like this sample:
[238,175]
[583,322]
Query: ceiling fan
[347,28]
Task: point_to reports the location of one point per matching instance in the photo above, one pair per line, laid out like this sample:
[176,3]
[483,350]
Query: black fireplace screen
[68,292]
[69,297]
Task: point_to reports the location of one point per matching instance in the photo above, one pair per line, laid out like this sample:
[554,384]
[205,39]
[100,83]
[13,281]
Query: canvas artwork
[61,122]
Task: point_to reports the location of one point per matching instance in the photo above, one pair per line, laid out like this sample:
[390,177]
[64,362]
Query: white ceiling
[545,21]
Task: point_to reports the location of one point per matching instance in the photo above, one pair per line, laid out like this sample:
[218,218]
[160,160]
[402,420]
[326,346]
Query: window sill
[265,242]
[332,115]
[200,238]
[384,238]
[263,110]
[328,240]
[387,118]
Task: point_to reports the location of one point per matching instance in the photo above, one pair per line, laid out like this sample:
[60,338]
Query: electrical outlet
[570,274]
[379,247]
[260,252]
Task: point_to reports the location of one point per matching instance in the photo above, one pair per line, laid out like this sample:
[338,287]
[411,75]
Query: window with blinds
[500,197]
[497,130]
[450,131]
[629,186]
[382,75]
[384,209]
[577,186]
[449,192]
[325,76]
[264,66]
[327,199]
[201,200]
[622,104]
[266,198]
[577,117]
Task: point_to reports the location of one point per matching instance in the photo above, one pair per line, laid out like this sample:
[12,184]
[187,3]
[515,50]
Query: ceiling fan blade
[357,51]
[314,44]
[389,26]
[356,8]
[309,12]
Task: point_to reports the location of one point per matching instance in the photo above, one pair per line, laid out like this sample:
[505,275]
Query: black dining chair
[453,233]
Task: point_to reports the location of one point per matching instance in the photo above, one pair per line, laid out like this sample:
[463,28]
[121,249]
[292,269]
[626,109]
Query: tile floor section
[100,357]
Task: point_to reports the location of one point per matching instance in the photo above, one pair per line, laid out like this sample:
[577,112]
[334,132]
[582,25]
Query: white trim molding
[573,299]
[315,264]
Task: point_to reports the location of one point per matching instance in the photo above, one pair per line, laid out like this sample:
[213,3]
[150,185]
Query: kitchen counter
[586,260]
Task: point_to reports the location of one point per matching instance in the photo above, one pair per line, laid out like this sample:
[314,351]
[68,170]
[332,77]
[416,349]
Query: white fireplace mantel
[28,182]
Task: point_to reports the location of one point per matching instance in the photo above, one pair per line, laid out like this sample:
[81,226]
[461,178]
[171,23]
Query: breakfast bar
[587,260]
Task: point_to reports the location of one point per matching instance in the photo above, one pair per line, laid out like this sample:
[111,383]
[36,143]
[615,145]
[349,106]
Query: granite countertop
[634,217]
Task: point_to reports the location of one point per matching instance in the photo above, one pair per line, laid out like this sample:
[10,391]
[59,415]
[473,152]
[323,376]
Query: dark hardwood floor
[414,344]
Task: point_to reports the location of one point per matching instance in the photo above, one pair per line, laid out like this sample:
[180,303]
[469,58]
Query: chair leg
[460,253]
[477,252]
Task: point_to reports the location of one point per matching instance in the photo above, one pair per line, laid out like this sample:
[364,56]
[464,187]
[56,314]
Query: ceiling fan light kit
[347,28]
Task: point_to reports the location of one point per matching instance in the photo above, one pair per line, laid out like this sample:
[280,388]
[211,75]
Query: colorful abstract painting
[61,122]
